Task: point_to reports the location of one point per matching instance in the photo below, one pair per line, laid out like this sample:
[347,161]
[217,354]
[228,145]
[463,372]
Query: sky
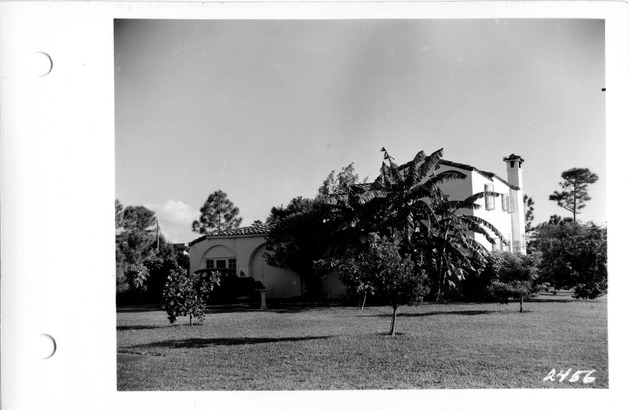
[265,109]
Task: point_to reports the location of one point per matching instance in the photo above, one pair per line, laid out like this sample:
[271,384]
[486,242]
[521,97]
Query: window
[504,202]
[489,189]
[221,264]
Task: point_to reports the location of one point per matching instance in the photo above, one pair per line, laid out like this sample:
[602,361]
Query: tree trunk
[190,317]
[364,297]
[521,304]
[392,329]
[442,285]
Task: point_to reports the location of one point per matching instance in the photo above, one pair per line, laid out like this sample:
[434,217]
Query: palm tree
[406,202]
[449,244]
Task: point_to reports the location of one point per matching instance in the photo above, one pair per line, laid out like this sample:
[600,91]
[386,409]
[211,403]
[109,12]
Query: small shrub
[185,295]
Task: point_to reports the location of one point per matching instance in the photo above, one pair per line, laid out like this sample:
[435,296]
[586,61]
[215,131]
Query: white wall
[499,218]
[248,251]
[475,183]
[242,247]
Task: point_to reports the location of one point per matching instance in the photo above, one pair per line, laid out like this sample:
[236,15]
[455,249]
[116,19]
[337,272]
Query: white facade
[505,212]
[244,249]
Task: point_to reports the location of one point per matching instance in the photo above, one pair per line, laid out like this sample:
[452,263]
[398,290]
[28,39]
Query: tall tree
[342,181]
[450,249]
[119,214]
[139,218]
[406,203]
[300,233]
[137,241]
[218,214]
[529,212]
[574,194]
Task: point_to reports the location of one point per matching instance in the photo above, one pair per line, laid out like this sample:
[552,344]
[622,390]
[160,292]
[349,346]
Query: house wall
[248,251]
[500,219]
[475,183]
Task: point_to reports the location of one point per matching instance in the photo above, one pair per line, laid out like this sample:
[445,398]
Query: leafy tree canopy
[381,270]
[138,243]
[574,256]
[138,218]
[218,214]
[185,295]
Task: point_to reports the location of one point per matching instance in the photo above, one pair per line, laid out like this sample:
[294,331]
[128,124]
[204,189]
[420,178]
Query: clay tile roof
[247,230]
[488,175]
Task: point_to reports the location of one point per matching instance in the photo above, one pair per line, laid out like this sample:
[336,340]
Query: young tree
[512,275]
[185,294]
[218,214]
[381,270]
[574,194]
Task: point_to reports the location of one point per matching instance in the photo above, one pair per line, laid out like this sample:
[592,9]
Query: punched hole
[42,64]
[46,346]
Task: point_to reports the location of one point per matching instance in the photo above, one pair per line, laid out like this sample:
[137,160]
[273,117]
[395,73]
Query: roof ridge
[238,231]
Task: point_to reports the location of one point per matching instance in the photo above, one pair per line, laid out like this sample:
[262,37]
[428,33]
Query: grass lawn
[452,346]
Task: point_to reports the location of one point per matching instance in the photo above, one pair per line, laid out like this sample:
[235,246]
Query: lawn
[450,346]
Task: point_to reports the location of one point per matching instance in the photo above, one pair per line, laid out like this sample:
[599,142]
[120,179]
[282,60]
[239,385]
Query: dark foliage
[574,256]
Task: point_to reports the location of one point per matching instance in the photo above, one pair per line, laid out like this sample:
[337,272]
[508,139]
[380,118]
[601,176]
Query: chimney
[515,179]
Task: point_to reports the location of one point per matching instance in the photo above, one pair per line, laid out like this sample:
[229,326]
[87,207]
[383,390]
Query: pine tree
[218,214]
[574,194]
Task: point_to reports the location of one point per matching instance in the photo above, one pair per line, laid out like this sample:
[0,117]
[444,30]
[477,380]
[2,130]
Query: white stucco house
[505,212]
[241,250]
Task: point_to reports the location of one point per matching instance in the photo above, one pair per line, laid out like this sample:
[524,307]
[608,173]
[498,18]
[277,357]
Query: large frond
[444,177]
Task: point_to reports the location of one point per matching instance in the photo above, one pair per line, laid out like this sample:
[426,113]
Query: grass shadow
[549,299]
[230,341]
[139,327]
[435,313]
[138,309]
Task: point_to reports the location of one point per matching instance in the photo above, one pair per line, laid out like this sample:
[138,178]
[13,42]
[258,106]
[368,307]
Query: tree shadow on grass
[138,327]
[451,312]
[229,341]
[549,299]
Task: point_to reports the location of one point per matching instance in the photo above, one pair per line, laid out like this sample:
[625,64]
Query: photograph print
[360,204]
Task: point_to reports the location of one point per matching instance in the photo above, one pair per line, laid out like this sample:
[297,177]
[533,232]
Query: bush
[574,256]
[506,276]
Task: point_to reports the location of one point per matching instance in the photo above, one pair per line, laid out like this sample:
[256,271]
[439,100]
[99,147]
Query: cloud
[175,219]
